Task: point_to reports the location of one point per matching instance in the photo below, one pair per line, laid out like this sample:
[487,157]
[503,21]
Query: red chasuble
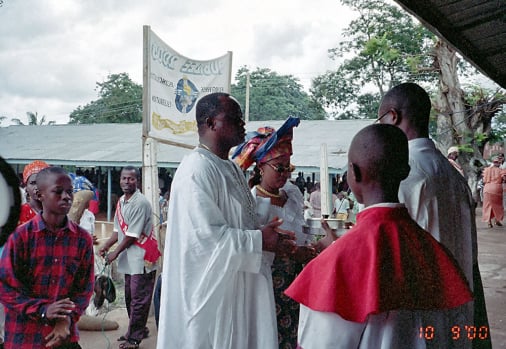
[385,262]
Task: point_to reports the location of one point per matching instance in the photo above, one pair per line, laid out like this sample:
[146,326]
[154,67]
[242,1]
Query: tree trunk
[456,123]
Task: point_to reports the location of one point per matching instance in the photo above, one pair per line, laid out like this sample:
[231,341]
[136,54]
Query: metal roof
[116,145]
[476,28]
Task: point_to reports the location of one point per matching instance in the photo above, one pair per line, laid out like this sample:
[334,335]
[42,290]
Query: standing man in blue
[137,253]
[438,198]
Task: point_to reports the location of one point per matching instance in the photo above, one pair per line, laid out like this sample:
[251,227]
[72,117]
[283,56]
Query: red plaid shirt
[37,268]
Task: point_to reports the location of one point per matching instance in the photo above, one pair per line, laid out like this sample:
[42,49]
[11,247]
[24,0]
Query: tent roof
[121,144]
[476,28]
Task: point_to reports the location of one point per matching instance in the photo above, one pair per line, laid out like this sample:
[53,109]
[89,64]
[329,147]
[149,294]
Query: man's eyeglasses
[281,168]
[382,116]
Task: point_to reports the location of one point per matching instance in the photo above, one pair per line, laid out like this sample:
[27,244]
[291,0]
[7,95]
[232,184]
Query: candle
[324,181]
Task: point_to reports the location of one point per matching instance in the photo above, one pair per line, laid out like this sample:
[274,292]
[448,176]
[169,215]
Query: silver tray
[314,226]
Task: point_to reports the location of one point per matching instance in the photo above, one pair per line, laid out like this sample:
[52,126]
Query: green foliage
[120,101]
[382,47]
[275,97]
[368,104]
[498,133]
[33,119]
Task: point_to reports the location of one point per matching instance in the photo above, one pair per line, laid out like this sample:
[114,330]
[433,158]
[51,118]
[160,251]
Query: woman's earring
[261,173]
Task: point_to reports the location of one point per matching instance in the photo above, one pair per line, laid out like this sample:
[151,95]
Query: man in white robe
[437,197]
[216,287]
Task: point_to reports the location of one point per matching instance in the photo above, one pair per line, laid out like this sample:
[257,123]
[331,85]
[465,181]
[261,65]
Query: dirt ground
[492,260]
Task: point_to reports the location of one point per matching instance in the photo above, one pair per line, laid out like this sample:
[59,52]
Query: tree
[382,48]
[120,101]
[385,47]
[275,97]
[33,119]
[463,118]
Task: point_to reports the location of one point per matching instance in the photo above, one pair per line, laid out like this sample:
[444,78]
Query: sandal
[130,344]
[124,338]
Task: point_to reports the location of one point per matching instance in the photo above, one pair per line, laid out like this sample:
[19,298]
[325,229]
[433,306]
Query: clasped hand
[59,311]
[276,239]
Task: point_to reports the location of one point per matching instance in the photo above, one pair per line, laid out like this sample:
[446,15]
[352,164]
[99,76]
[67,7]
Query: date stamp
[456,332]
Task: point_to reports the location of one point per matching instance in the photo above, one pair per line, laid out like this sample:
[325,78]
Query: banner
[172,85]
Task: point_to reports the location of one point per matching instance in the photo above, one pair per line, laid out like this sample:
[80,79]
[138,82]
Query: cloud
[52,52]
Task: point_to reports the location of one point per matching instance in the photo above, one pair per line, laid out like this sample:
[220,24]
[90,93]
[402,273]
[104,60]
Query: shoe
[499,224]
[490,225]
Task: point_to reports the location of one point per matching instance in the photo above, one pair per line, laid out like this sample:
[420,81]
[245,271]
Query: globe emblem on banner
[186,95]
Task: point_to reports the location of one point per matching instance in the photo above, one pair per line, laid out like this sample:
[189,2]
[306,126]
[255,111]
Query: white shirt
[439,200]
[88,221]
[292,212]
[138,215]
[342,205]
[389,330]
[217,288]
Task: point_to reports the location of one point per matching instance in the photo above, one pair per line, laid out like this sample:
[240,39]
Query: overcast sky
[52,52]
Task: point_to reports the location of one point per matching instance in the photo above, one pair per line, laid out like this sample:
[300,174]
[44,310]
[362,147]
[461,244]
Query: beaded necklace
[266,192]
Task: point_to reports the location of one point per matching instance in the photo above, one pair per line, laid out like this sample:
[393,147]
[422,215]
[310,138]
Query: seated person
[380,285]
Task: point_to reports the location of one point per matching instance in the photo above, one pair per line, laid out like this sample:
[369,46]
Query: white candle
[324,181]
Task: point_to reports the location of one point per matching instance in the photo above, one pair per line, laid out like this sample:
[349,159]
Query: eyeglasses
[281,168]
[382,116]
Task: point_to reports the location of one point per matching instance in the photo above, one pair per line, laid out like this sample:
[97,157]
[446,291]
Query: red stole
[147,242]
[385,262]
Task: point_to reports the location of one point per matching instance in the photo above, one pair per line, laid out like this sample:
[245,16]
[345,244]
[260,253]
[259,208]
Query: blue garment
[264,148]
[82,183]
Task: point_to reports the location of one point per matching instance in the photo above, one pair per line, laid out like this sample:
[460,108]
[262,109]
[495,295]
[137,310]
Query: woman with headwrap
[33,205]
[270,150]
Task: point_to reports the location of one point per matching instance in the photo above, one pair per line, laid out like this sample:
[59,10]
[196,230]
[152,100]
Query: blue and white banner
[172,85]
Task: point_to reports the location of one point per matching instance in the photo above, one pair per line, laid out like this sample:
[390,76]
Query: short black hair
[412,100]
[46,172]
[209,106]
[382,150]
[132,168]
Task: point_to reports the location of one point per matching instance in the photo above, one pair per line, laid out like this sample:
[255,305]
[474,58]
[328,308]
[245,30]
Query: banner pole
[146,86]
[149,146]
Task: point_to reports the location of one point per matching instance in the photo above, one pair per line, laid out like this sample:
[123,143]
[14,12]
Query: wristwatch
[43,315]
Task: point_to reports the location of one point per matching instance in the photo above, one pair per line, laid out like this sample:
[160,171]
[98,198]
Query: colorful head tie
[33,168]
[266,144]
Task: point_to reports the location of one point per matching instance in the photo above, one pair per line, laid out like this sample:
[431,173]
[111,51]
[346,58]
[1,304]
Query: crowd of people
[238,270]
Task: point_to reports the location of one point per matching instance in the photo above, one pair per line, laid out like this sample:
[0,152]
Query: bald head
[378,158]
[411,105]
